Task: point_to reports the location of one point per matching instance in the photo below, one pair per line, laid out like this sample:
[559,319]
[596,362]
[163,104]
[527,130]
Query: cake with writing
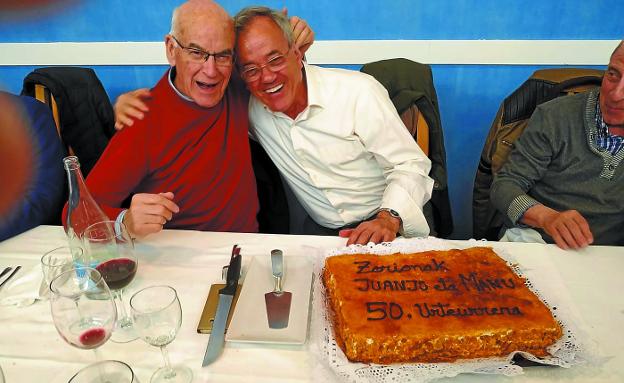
[434,306]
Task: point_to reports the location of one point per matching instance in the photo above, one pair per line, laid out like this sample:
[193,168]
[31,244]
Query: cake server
[226,295]
[278,301]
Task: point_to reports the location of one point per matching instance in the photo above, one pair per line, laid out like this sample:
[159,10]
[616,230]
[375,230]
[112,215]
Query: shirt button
[340,211]
[611,167]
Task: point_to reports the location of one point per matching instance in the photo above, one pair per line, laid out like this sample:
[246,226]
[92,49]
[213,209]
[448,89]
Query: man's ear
[298,55]
[169,49]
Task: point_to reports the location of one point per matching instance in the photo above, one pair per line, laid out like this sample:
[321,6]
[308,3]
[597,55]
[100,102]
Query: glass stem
[170,372]
[124,319]
[98,359]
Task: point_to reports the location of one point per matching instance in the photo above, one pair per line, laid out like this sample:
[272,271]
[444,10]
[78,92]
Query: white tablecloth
[32,351]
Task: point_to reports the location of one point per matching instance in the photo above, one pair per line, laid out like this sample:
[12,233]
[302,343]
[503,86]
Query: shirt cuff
[518,207]
[414,222]
[119,221]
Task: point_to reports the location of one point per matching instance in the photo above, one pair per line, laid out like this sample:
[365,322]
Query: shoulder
[566,105]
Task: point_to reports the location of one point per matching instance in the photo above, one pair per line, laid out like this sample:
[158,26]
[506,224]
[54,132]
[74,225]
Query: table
[32,351]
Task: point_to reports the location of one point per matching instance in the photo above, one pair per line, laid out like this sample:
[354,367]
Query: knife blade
[226,294]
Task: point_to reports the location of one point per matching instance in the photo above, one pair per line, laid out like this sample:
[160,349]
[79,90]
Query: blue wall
[469,95]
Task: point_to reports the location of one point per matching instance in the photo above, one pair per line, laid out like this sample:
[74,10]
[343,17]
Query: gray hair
[246,15]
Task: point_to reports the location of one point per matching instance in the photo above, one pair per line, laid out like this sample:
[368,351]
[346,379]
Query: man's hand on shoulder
[302,33]
[569,229]
[381,229]
[131,106]
[149,212]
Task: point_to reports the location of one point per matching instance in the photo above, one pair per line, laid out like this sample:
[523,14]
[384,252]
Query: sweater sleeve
[527,163]
[121,168]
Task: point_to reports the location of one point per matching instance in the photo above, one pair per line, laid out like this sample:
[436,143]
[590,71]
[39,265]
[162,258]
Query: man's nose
[266,75]
[210,67]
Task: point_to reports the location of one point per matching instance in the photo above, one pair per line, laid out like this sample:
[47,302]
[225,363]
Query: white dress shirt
[347,154]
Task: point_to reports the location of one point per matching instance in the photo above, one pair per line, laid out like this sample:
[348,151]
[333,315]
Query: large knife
[226,294]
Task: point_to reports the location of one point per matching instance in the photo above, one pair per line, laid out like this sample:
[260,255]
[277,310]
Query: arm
[118,173]
[405,166]
[526,165]
[302,33]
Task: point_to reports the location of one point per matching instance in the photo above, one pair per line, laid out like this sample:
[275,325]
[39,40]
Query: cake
[434,306]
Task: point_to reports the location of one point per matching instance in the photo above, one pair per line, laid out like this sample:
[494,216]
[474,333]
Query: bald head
[620,46]
[199,13]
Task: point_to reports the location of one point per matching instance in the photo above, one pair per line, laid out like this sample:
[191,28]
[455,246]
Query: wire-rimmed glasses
[199,56]
[251,73]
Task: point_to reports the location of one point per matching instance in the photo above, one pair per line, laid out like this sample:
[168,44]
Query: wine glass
[109,249]
[116,371]
[84,313]
[157,318]
[57,261]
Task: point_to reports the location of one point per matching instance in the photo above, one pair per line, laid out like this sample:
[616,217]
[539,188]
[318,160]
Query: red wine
[117,272]
[93,337]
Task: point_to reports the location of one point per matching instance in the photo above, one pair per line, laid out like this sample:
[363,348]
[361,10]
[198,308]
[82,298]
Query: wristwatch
[393,213]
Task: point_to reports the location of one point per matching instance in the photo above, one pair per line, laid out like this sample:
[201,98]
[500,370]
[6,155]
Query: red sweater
[201,155]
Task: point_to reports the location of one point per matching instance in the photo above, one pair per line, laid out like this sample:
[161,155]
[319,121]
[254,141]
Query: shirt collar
[172,74]
[313,84]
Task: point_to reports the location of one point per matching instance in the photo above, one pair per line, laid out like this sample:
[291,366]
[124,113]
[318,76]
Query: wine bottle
[82,210]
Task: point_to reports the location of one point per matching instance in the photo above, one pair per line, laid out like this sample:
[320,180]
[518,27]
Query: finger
[577,233]
[144,93]
[389,237]
[155,210]
[355,234]
[157,199]
[168,195]
[567,236]
[376,237]
[559,241]
[364,237]
[125,121]
[584,227]
[345,233]
[119,126]
[146,229]
[133,113]
[285,11]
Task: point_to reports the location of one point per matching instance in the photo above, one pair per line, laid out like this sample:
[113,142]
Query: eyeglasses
[253,72]
[199,56]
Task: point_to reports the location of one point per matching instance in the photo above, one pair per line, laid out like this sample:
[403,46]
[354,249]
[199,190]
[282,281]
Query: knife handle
[233,274]
[277,262]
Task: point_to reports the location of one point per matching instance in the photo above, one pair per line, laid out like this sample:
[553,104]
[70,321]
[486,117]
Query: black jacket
[87,121]
[407,83]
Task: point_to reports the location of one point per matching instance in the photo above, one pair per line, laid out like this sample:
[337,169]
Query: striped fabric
[608,142]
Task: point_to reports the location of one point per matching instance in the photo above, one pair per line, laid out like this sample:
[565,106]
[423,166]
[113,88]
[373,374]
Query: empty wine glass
[84,313]
[57,261]
[109,249]
[157,318]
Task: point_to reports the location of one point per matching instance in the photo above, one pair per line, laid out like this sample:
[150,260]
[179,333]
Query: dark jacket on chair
[87,121]
[411,83]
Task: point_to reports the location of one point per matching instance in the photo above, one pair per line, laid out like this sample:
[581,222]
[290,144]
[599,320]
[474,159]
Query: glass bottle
[82,210]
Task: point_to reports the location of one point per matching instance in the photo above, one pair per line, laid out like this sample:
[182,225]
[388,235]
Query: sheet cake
[434,306]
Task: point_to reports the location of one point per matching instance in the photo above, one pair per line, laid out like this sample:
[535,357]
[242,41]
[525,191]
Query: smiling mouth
[204,85]
[275,89]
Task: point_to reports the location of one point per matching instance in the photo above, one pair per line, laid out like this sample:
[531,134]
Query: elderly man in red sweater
[187,163]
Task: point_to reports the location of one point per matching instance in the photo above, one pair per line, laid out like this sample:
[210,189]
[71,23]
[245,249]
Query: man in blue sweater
[564,177]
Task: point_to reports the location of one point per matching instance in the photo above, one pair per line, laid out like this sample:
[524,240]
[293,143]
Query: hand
[381,229]
[569,229]
[149,212]
[302,33]
[131,106]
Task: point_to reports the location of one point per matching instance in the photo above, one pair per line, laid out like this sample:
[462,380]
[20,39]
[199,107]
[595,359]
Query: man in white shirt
[334,135]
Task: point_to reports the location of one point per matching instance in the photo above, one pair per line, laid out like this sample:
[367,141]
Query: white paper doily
[573,347]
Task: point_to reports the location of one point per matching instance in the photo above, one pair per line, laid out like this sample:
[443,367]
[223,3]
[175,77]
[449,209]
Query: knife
[226,294]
